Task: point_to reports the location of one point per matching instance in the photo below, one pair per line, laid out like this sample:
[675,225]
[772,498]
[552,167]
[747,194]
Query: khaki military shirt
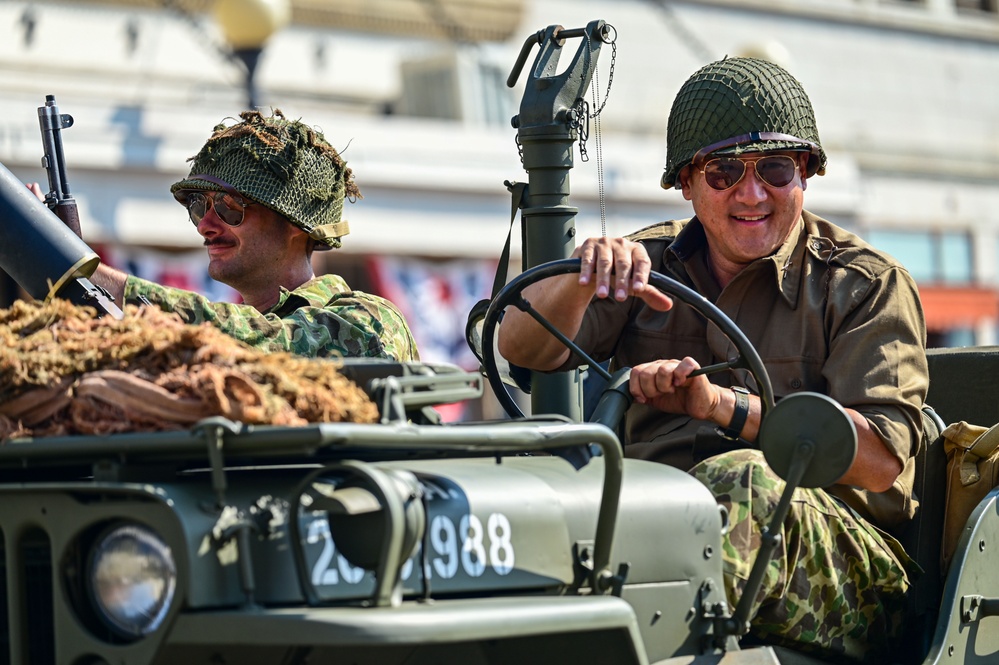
[827,313]
[321,318]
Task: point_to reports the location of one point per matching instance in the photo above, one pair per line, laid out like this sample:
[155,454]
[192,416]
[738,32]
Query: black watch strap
[739,416]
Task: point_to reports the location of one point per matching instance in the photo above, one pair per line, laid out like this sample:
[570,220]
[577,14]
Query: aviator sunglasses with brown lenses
[723,173]
[228,206]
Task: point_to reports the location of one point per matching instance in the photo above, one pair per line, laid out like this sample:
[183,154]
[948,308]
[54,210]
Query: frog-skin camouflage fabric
[835,586]
[320,319]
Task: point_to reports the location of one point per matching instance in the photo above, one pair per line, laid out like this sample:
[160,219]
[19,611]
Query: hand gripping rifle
[37,249]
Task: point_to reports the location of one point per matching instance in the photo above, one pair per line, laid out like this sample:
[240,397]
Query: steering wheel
[747,357]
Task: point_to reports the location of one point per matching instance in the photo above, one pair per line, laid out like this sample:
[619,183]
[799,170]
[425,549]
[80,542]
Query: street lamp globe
[247,25]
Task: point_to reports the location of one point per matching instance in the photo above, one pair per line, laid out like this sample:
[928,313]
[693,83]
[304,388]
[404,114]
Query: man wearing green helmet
[827,313]
[264,193]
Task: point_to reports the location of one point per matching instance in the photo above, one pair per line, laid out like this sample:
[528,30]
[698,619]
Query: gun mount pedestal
[547,127]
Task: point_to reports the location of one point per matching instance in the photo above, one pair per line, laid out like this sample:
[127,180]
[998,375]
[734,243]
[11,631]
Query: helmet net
[282,164]
[733,97]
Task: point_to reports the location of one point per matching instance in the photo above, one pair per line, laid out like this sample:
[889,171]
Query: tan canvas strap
[335,230]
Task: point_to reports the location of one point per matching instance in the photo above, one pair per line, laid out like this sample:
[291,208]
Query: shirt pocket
[788,375]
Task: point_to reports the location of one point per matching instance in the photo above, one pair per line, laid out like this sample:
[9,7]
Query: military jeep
[525,540]
[404,541]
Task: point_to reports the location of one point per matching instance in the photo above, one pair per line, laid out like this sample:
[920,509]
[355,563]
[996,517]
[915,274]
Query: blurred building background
[413,93]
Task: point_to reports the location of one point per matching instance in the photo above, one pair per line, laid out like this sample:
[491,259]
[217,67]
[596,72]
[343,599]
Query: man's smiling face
[750,219]
[250,255]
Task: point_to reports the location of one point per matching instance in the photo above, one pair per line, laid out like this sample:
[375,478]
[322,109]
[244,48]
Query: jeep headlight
[132,579]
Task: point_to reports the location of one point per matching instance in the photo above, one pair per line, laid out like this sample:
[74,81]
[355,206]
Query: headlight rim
[122,629]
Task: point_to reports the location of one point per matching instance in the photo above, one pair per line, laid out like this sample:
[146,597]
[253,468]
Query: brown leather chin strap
[226,187]
[814,165]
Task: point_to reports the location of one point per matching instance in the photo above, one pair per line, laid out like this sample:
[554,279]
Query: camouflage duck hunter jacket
[321,318]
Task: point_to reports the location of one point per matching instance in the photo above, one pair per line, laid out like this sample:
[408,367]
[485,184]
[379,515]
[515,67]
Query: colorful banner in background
[435,297]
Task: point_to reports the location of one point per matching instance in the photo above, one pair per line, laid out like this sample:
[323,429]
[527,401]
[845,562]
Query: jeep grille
[34,568]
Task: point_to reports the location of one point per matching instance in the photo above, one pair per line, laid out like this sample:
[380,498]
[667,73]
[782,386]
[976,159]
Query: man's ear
[298,236]
[683,177]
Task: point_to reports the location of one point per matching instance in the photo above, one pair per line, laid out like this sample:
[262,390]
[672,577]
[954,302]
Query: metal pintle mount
[546,129]
[549,97]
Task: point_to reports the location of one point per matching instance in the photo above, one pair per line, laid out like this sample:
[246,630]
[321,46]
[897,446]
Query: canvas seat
[959,380]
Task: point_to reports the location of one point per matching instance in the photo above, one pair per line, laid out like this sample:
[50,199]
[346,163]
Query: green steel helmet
[282,164]
[740,105]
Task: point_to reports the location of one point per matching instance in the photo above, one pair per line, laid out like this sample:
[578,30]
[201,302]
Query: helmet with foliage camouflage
[740,105]
[281,164]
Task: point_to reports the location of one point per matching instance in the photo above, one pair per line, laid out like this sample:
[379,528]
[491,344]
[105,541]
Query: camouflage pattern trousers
[833,588]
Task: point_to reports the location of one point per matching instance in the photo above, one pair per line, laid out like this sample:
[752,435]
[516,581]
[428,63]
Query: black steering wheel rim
[510,295]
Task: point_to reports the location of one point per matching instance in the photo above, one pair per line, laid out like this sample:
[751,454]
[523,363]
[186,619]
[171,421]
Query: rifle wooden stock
[70,215]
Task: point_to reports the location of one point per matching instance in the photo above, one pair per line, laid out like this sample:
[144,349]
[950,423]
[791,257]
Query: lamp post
[247,25]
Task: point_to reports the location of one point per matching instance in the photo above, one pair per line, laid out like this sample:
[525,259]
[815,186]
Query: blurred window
[939,257]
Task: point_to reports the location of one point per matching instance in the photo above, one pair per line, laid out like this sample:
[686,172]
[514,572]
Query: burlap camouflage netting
[733,97]
[283,164]
[65,371]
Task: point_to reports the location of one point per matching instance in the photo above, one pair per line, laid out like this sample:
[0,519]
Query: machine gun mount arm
[546,130]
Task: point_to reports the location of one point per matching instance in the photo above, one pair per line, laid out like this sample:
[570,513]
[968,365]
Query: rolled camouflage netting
[63,370]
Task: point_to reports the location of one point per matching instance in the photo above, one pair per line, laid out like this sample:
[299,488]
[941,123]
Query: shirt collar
[317,292]
[689,240]
[690,247]
[786,262]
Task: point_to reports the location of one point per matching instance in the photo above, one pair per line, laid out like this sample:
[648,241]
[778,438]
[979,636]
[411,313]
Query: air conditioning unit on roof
[457,85]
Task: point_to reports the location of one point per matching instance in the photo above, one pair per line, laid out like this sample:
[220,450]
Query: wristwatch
[738,417]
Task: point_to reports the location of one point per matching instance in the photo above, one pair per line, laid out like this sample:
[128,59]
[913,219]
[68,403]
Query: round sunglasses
[723,173]
[228,207]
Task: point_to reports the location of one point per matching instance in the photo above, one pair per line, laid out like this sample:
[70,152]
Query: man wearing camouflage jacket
[827,313]
[264,193]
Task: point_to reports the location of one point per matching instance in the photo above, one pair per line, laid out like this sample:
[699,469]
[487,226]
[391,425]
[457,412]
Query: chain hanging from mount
[579,119]
[580,116]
